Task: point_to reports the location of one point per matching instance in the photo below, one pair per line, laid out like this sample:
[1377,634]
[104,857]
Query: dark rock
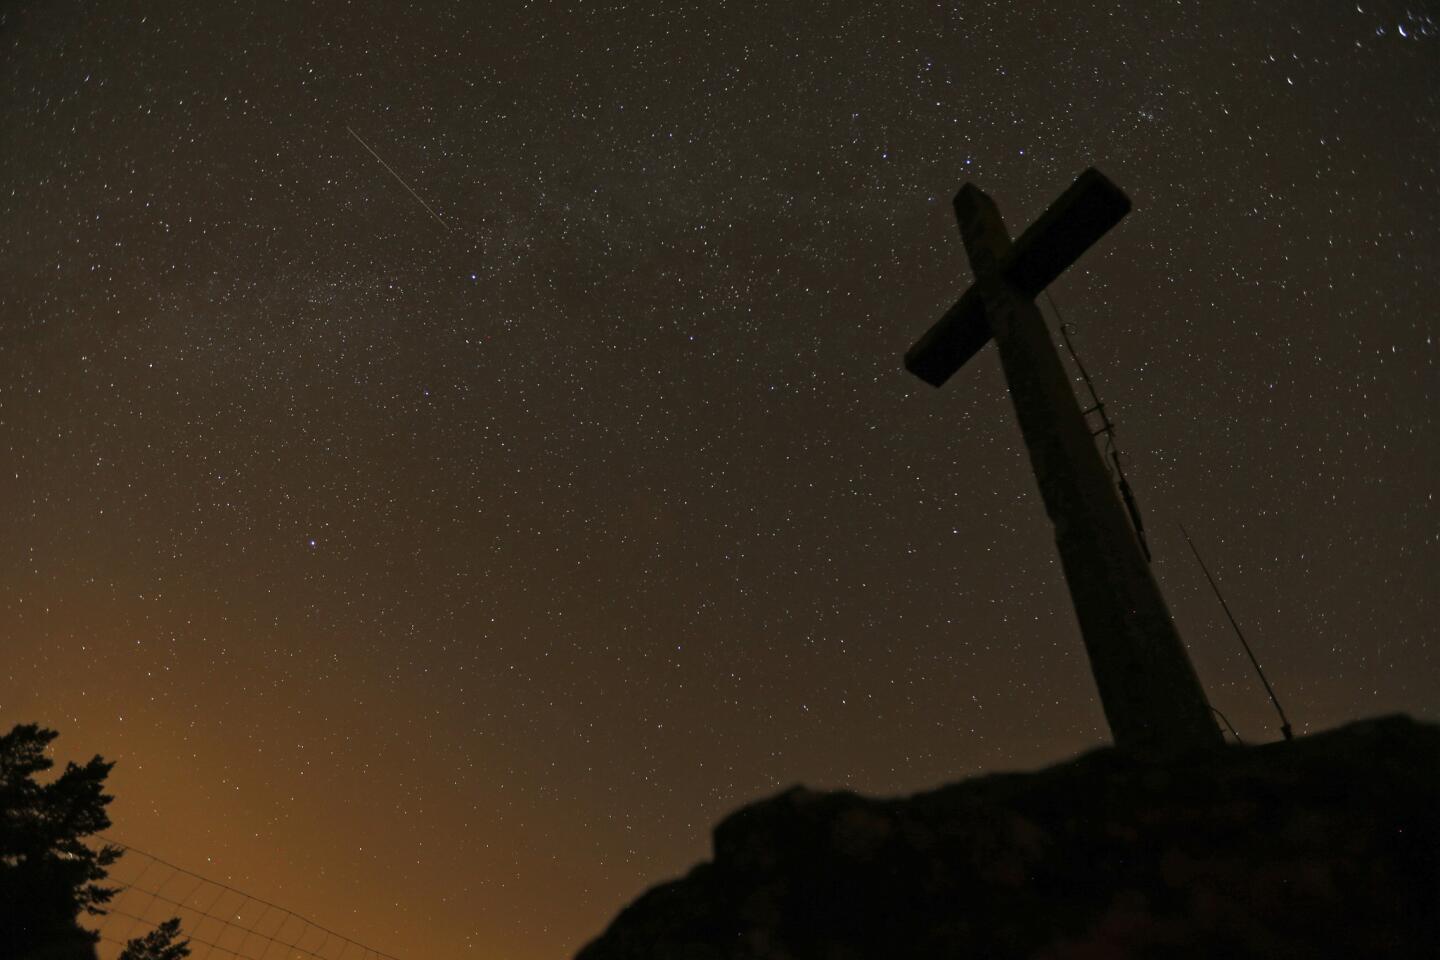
[1327,846]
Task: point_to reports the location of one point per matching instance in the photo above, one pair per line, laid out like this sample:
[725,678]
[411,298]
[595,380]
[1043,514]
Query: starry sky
[444,574]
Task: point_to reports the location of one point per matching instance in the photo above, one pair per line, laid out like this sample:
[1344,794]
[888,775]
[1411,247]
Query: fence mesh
[220,921]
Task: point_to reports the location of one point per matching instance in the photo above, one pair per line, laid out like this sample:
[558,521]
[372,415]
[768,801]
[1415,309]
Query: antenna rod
[1284,723]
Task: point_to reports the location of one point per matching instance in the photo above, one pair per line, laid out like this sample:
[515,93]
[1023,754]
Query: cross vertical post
[1148,688]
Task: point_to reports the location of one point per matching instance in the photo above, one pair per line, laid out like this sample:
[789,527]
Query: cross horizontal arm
[1072,224]
[955,338]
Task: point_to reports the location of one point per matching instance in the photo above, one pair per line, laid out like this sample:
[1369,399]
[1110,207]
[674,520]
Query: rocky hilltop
[1327,846]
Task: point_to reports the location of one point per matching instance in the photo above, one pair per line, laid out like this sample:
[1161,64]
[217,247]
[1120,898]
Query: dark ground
[1328,846]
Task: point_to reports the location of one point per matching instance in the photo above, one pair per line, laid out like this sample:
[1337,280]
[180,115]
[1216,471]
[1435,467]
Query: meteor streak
[443,225]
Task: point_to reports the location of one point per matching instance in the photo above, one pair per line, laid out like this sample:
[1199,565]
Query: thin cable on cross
[218,919]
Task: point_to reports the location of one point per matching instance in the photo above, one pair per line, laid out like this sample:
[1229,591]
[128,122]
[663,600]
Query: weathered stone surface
[1328,846]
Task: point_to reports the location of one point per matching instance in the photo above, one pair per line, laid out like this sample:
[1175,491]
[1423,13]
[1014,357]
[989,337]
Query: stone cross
[1148,688]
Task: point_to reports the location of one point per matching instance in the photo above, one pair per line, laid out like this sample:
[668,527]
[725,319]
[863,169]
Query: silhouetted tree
[158,944]
[48,875]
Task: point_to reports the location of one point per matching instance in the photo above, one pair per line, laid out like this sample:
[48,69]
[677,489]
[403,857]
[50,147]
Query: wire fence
[220,921]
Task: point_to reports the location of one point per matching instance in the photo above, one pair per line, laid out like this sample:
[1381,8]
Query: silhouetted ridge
[1328,846]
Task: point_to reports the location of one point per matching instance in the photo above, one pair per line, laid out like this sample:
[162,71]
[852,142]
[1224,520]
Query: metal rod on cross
[1148,688]
[1107,427]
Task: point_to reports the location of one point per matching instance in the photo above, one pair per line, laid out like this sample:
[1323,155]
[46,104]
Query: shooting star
[443,225]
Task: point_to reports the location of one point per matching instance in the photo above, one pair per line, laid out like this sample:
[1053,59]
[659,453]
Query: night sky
[445,574]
